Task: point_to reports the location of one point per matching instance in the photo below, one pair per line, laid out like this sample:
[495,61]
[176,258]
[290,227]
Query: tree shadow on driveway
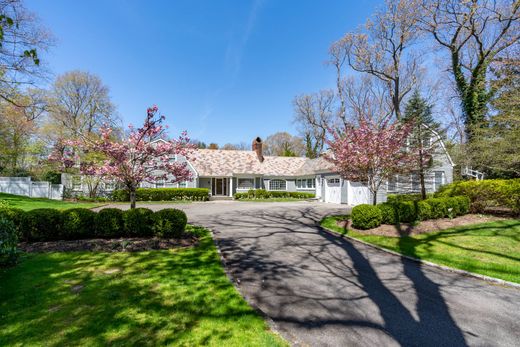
[322,289]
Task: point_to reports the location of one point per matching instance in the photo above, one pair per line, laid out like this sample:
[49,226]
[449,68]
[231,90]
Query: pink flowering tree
[370,153]
[145,155]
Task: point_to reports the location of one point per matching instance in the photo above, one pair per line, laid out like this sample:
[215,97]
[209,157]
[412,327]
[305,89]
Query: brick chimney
[257,147]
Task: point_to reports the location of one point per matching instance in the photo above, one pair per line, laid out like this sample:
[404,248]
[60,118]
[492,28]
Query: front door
[219,186]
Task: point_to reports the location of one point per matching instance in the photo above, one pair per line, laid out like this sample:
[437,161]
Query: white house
[225,172]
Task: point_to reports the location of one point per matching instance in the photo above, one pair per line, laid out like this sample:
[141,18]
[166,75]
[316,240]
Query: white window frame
[333,181]
[160,184]
[412,180]
[396,181]
[183,184]
[278,180]
[77,187]
[303,183]
[251,179]
[443,179]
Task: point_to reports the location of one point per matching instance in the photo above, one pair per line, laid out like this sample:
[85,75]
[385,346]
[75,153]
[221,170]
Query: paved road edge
[485,278]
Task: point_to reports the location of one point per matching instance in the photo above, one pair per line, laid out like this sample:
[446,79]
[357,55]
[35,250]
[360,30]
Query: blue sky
[225,71]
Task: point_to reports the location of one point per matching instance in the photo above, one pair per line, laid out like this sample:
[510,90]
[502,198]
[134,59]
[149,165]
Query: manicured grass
[26,203]
[271,200]
[178,297]
[491,249]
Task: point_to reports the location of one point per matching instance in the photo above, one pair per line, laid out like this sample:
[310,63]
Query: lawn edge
[236,284]
[485,278]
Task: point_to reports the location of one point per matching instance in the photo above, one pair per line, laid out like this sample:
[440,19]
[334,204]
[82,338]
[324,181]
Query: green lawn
[491,249]
[27,203]
[178,297]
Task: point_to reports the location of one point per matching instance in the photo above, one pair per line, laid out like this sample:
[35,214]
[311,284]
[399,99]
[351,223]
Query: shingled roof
[225,163]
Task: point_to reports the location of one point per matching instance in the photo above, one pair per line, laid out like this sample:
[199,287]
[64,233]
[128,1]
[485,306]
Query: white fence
[24,186]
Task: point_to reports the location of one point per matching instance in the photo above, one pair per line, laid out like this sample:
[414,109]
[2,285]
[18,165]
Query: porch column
[231,186]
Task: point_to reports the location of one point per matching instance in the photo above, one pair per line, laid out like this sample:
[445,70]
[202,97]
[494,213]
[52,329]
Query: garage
[332,190]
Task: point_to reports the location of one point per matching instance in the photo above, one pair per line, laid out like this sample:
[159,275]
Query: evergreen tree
[419,113]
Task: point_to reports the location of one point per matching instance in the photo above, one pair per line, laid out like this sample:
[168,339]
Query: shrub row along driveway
[323,290]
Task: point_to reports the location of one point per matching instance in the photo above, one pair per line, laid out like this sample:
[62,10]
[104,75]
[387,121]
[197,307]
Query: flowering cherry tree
[145,155]
[371,153]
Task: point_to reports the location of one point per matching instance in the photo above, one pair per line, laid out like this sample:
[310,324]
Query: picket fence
[26,187]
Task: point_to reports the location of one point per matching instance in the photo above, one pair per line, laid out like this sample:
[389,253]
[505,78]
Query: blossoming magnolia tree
[137,158]
[371,154]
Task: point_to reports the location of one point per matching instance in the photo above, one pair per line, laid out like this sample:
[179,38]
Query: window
[416,184]
[159,184]
[333,181]
[392,184]
[76,183]
[306,183]
[246,183]
[277,185]
[183,184]
[439,179]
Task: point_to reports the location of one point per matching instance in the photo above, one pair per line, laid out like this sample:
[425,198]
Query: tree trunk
[132,198]
[423,187]
[374,198]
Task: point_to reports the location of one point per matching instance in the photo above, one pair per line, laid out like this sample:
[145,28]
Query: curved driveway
[322,290]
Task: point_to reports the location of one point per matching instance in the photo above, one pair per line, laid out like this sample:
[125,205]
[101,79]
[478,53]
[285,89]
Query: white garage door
[333,190]
[359,194]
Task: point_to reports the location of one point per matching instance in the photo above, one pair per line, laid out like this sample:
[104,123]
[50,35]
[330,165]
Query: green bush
[42,224]
[8,242]
[78,223]
[439,208]
[138,222]
[463,203]
[423,209]
[394,198]
[388,213]
[486,193]
[406,212]
[366,216]
[163,194]
[169,223]
[15,215]
[52,176]
[266,194]
[109,223]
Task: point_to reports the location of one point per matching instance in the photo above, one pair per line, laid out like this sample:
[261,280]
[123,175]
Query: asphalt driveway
[321,290]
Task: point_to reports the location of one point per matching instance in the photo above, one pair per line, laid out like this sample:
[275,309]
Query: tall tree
[313,114]
[474,33]
[371,153]
[382,49]
[80,105]
[283,144]
[418,113]
[22,39]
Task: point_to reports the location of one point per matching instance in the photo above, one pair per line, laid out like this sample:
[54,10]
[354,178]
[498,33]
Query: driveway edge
[270,322]
[485,278]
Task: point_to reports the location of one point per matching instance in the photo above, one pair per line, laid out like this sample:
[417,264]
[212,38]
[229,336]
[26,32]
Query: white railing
[24,186]
[469,172]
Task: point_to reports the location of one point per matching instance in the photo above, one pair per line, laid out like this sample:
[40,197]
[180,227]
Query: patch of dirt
[110,245]
[424,226]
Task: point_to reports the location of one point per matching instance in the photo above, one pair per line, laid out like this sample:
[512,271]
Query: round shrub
[366,216]
[439,207]
[463,204]
[43,224]
[406,212]
[78,223]
[109,223]
[387,213]
[138,222]
[8,242]
[424,210]
[169,223]
[15,215]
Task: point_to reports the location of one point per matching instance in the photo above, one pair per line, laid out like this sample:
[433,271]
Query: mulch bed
[110,245]
[424,226]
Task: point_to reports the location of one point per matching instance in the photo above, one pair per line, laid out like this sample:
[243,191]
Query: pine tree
[419,113]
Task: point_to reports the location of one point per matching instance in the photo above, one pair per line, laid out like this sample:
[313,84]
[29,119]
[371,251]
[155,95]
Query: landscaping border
[425,262]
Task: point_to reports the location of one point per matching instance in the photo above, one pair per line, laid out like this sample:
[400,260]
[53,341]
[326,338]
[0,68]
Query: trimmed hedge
[423,210]
[486,193]
[163,194]
[393,198]
[46,224]
[109,223]
[8,242]
[406,211]
[269,194]
[388,213]
[138,222]
[366,216]
[78,223]
[169,222]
